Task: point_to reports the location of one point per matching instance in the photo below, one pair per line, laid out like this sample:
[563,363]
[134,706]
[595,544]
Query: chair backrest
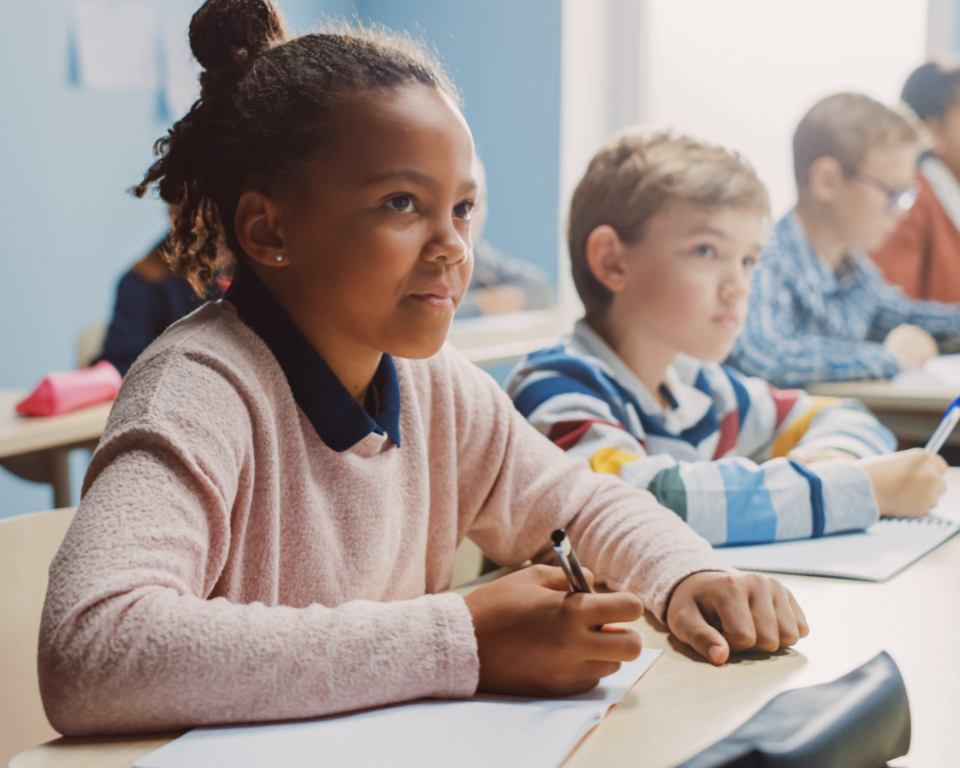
[90,344]
[27,545]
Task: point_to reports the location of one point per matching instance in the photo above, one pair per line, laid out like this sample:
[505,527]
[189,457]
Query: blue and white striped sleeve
[727,501]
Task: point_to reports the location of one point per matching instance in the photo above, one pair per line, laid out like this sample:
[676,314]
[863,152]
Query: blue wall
[67,157]
[505,57]
[68,154]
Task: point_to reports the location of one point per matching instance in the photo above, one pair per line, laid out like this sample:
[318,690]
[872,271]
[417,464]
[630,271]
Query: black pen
[569,562]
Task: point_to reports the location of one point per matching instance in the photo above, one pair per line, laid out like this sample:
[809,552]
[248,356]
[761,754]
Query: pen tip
[558,536]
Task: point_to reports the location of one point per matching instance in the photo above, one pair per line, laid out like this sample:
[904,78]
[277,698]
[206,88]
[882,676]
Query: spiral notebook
[873,554]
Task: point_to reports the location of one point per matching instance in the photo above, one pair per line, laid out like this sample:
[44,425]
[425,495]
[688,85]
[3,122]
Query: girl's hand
[722,613]
[906,483]
[536,638]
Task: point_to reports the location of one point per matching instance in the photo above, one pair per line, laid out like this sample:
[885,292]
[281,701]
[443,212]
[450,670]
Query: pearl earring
[278,258]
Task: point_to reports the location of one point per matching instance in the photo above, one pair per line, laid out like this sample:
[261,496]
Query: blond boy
[820,309]
[664,234]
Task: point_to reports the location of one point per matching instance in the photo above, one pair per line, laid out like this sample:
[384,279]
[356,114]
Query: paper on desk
[875,554]
[116,44]
[475,733]
[941,371]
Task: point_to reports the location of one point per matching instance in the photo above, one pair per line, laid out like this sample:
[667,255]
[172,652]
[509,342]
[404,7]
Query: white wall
[742,72]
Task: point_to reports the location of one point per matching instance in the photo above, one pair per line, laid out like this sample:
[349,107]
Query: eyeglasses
[896,198]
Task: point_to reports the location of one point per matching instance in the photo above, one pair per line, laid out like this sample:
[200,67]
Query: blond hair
[846,126]
[634,176]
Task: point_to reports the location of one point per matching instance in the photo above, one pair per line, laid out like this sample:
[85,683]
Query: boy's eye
[401,204]
[463,210]
[749,262]
[705,250]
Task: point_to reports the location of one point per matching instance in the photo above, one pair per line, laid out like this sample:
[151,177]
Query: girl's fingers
[620,645]
[692,628]
[766,619]
[803,629]
[609,608]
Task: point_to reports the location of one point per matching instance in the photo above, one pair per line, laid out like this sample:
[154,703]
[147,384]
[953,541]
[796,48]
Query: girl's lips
[441,296]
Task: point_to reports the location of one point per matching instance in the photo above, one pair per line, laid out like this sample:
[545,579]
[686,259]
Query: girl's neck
[648,357]
[821,232]
[352,362]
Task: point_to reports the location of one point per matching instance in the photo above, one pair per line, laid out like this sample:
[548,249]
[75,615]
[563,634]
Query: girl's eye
[401,204]
[708,251]
[463,210]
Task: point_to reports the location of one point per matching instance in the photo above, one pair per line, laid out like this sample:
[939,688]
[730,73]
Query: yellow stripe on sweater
[787,440]
[610,460]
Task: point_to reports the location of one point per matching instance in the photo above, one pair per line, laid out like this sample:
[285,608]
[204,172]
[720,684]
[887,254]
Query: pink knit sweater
[227,566]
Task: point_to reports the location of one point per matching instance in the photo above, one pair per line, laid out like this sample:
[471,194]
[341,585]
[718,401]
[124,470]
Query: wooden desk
[911,413]
[37,448]
[683,704]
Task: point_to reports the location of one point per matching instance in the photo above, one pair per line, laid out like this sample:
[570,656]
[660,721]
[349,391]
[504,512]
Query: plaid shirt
[808,324]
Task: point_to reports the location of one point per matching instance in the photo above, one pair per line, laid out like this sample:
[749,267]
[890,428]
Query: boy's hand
[911,345]
[536,638]
[722,613]
[906,483]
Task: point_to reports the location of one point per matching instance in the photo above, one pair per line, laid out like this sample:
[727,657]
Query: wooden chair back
[27,545]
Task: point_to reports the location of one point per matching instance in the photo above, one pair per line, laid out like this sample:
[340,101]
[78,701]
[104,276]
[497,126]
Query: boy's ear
[825,178]
[258,227]
[936,130]
[605,256]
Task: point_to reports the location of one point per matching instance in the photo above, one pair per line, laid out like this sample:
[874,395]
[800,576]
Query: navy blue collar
[339,419]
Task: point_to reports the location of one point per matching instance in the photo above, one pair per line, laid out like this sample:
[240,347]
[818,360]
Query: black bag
[860,720]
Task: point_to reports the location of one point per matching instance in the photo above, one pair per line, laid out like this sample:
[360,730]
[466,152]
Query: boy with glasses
[819,309]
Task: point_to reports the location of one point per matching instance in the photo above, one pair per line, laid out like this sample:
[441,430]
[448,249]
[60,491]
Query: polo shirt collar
[340,421]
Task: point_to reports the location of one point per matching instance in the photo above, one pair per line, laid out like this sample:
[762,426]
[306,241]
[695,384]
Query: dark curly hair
[267,102]
[932,89]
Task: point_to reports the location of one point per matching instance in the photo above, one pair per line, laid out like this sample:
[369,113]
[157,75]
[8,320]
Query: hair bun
[227,35]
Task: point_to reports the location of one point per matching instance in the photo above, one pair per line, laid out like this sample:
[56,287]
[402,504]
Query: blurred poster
[116,45]
[182,77]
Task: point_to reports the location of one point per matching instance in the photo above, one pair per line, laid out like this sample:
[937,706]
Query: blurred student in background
[500,284]
[923,254]
[150,298]
[820,309]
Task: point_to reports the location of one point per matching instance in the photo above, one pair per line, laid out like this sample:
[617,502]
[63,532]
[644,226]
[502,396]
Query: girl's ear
[605,257]
[825,179]
[258,227]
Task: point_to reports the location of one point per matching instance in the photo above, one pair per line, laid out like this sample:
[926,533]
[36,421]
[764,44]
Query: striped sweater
[717,455]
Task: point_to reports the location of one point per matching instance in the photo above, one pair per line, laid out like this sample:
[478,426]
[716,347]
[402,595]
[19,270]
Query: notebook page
[874,554]
[473,733]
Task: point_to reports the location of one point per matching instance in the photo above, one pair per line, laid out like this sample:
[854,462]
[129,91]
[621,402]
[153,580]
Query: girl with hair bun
[269,523]
[922,256]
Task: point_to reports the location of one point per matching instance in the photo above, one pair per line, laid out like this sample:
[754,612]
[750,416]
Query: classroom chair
[90,344]
[27,545]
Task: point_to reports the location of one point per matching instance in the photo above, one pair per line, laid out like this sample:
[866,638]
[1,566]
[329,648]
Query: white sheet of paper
[181,86]
[475,733]
[941,371]
[116,44]
[874,554]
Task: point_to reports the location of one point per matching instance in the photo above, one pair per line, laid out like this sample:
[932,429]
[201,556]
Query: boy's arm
[727,501]
[894,307]
[776,346]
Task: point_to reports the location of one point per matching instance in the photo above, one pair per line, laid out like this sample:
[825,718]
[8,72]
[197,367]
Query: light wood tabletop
[684,704]
[912,413]
[36,448]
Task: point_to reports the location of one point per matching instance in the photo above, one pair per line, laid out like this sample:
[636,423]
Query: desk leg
[51,466]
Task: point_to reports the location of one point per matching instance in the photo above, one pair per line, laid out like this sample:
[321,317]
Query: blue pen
[950,418]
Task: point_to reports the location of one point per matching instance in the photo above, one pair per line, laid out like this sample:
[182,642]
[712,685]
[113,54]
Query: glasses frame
[896,198]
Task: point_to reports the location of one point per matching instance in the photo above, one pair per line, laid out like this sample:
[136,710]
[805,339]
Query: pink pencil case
[64,392]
